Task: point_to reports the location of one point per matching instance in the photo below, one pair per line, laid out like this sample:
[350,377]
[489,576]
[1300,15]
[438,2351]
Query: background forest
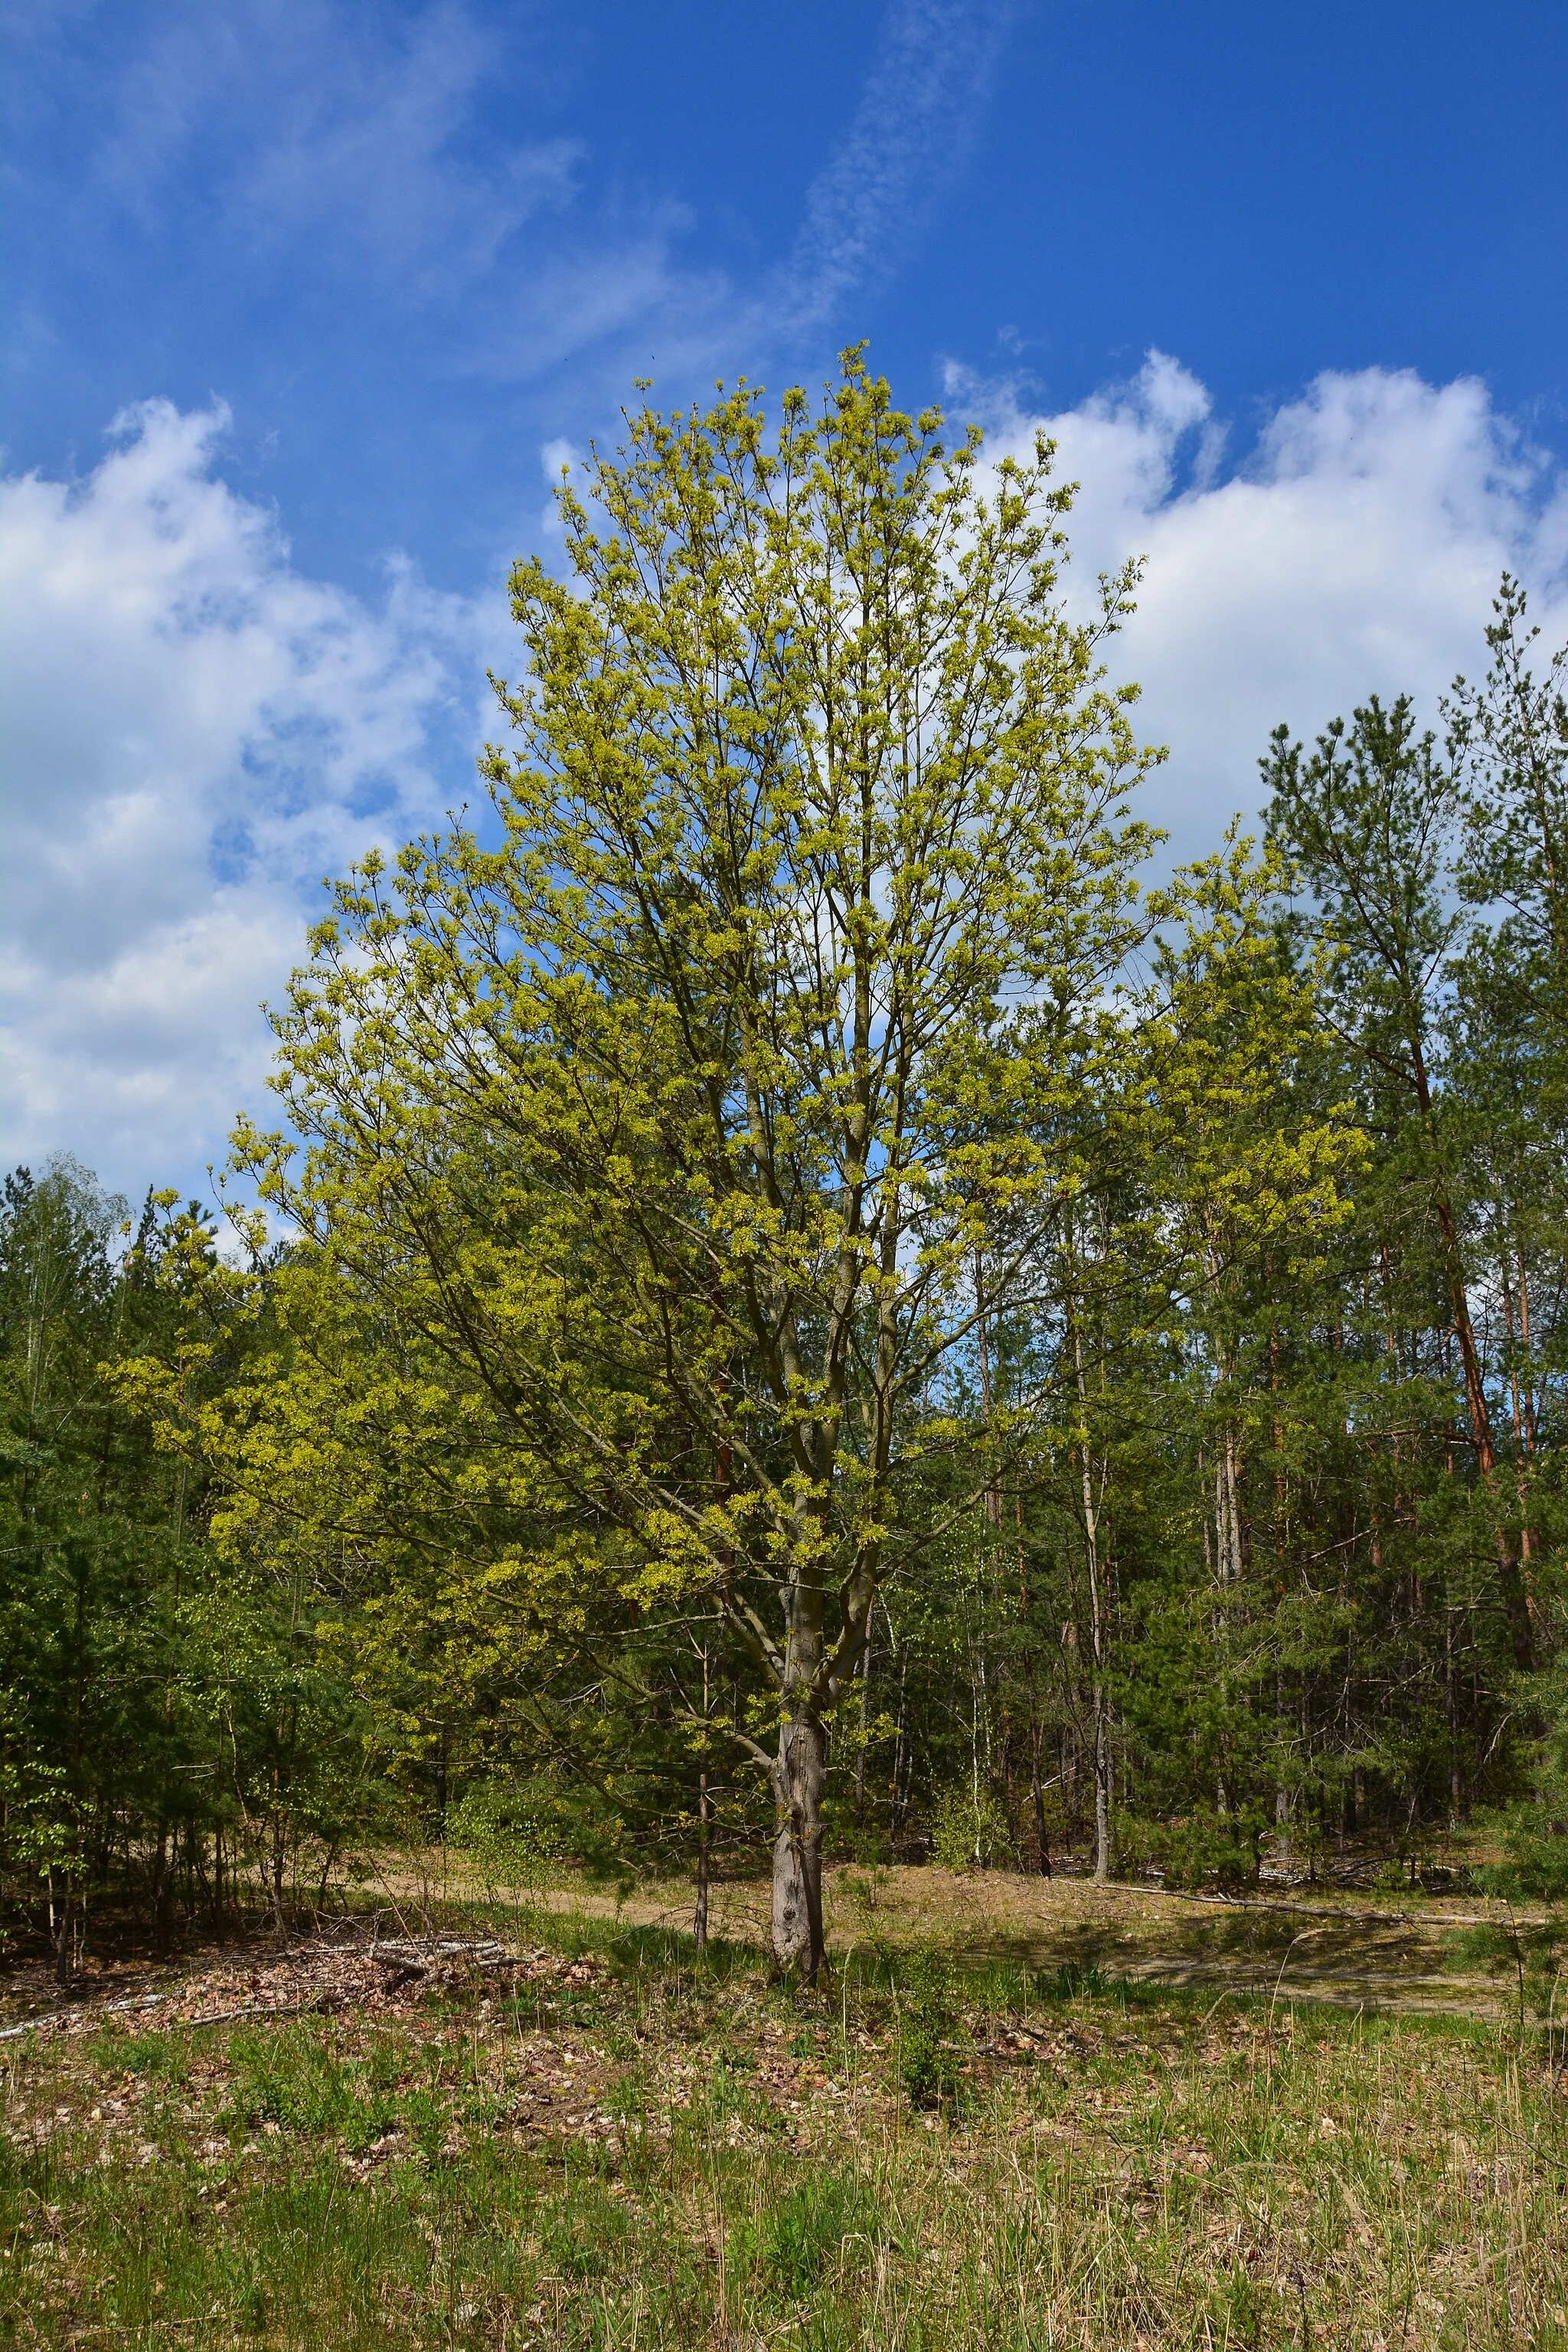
[799,1308]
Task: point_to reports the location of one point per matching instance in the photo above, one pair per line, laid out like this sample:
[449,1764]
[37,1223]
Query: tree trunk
[700,1916]
[865,1724]
[1036,1791]
[161,1873]
[60,1925]
[279,1841]
[1515,1598]
[1281,1788]
[1097,1627]
[898,1809]
[799,1777]
[1101,1788]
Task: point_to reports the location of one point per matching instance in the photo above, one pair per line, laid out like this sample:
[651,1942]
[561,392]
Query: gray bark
[799,1778]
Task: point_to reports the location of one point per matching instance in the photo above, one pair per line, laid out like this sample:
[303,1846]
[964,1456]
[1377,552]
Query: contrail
[914,124]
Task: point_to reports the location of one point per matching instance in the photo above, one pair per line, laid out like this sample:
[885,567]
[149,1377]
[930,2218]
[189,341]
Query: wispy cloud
[313,119]
[399,189]
[374,150]
[915,124]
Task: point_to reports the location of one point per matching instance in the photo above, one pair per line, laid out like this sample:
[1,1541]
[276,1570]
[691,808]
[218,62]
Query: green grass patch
[919,2155]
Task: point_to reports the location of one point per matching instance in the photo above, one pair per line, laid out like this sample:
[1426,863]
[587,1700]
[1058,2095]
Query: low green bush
[1206,1849]
[931,2029]
[970,1830]
[582,2233]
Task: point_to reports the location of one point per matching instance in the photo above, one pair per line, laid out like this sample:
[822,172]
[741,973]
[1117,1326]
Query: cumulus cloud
[1353,548]
[195,734]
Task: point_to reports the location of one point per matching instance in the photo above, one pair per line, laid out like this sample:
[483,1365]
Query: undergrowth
[676,2153]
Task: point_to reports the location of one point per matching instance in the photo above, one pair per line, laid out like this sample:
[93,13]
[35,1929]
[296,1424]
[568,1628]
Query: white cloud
[357,173]
[1354,549]
[195,734]
[369,140]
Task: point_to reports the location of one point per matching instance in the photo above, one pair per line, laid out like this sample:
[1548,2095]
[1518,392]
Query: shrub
[970,1830]
[292,2079]
[1206,1849]
[930,2064]
[510,1833]
[582,2234]
[287,2077]
[1072,1981]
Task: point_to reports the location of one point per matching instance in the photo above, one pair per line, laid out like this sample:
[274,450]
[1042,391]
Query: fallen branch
[75,2016]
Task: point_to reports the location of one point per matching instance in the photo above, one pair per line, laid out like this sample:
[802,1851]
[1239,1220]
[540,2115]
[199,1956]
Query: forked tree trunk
[799,1778]
[1516,1599]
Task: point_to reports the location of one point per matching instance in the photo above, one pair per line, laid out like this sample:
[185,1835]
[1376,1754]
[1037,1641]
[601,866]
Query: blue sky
[352,278]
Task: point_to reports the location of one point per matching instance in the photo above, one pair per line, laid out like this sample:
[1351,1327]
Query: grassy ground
[607,2144]
[1360,1950]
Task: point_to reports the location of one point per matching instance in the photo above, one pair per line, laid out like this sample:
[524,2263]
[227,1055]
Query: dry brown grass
[609,2146]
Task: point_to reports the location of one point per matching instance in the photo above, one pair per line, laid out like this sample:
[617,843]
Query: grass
[656,2153]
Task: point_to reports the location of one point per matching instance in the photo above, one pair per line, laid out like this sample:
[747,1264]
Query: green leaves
[737,1050]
